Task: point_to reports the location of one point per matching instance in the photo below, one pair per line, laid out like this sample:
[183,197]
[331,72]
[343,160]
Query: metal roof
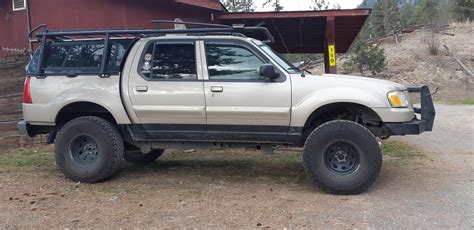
[209,4]
[304,31]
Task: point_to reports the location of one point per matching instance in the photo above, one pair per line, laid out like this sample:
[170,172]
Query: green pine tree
[239,5]
[385,19]
[408,16]
[321,5]
[275,4]
[391,19]
[429,12]
[374,22]
[325,5]
[366,56]
[462,10]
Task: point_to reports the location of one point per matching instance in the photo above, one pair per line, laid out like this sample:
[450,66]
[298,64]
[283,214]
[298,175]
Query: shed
[328,32]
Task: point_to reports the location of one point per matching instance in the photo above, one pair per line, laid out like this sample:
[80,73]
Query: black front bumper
[427,115]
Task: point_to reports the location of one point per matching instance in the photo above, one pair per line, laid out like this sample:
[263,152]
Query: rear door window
[169,61]
[118,51]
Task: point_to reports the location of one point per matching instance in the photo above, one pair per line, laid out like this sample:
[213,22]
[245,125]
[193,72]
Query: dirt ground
[422,187]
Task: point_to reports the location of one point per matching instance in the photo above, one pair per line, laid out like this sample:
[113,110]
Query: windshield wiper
[300,70]
[294,68]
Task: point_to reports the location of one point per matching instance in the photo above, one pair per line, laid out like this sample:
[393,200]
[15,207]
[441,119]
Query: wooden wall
[12,77]
[90,14]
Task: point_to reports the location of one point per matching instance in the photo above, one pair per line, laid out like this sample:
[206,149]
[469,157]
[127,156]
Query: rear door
[166,92]
[240,104]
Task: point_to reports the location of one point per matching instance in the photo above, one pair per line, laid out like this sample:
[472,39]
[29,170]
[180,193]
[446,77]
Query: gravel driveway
[453,131]
[451,144]
[433,190]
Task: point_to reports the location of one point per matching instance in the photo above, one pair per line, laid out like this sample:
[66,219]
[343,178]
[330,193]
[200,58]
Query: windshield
[279,59]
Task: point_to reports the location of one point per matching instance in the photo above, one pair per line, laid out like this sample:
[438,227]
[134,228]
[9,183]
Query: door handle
[142,88]
[217,89]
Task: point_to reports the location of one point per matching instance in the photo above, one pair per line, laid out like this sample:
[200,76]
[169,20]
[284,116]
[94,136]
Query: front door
[166,92]
[240,104]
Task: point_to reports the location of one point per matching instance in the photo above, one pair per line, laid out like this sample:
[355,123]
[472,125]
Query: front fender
[303,108]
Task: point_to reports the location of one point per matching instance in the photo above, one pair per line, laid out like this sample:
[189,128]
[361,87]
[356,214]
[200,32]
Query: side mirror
[268,71]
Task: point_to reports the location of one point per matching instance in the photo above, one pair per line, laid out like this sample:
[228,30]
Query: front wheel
[342,157]
[89,149]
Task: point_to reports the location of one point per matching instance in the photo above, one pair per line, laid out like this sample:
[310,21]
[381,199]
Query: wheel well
[80,109]
[343,111]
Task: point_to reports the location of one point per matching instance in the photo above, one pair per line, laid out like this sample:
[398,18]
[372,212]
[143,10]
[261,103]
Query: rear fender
[53,93]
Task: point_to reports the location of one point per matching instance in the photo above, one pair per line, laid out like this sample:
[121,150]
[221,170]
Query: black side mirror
[268,71]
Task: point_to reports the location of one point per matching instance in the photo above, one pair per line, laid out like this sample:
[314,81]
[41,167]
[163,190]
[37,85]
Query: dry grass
[466,101]
[431,40]
[229,164]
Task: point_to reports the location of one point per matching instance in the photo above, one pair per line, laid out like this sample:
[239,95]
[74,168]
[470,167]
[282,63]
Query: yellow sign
[332,55]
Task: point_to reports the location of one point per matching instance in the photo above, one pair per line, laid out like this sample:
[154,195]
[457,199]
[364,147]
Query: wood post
[330,65]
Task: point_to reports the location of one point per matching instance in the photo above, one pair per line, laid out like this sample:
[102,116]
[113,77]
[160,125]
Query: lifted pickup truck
[130,94]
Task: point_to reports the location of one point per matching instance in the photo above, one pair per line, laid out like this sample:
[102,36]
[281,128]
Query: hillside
[409,63]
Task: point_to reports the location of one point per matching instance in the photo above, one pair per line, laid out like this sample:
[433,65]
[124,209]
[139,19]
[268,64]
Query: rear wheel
[89,149]
[342,157]
[136,156]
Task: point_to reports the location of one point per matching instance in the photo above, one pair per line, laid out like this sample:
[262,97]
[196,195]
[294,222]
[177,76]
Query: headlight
[397,99]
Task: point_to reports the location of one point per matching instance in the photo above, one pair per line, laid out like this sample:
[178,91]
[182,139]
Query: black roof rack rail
[107,34]
[41,26]
[202,29]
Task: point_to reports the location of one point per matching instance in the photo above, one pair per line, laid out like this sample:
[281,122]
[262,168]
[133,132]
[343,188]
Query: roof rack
[43,35]
[199,29]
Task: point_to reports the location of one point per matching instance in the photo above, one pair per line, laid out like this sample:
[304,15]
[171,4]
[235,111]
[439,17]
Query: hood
[336,80]
[367,80]
[368,91]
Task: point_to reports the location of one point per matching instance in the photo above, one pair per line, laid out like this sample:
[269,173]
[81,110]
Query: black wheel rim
[84,150]
[342,157]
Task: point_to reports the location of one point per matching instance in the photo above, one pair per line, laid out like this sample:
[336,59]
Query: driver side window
[232,62]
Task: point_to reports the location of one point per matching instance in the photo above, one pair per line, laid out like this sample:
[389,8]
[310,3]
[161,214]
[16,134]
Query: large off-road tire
[342,157]
[136,156]
[89,149]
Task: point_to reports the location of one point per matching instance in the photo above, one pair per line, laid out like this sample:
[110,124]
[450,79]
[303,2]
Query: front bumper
[426,111]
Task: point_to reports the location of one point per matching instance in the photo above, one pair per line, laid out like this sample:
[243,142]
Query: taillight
[26,91]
